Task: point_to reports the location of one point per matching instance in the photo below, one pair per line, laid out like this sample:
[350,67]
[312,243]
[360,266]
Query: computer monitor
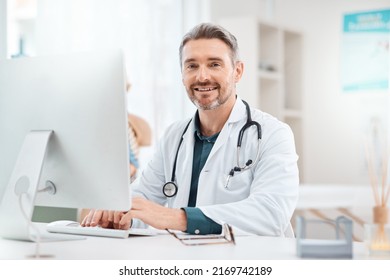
[63,123]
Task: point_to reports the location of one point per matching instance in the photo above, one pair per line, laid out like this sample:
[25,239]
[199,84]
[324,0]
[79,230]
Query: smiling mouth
[205,89]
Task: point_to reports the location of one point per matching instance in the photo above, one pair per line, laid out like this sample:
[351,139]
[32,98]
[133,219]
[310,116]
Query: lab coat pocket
[239,184]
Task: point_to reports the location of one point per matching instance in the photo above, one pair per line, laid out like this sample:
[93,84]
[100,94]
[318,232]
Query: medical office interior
[296,56]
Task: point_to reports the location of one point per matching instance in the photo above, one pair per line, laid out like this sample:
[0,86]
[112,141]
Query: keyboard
[71,227]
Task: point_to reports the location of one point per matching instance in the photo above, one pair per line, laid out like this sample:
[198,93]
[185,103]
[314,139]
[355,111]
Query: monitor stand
[17,206]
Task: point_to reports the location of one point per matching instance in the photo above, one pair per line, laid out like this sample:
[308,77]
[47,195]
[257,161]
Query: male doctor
[208,190]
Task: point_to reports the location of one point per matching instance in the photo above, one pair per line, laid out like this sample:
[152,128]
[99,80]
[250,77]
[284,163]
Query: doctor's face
[208,72]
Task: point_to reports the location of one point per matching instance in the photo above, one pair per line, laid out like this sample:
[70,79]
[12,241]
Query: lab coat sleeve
[273,192]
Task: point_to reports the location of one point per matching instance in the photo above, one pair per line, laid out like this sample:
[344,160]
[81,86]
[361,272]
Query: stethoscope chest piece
[170,189]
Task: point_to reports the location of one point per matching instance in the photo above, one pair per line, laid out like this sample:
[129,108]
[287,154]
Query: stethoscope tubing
[170,188]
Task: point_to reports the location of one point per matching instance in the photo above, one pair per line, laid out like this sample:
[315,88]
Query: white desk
[161,247]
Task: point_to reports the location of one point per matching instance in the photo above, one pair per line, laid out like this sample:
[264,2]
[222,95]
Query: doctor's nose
[203,74]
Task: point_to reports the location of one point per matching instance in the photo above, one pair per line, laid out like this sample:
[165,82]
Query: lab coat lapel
[215,166]
[237,114]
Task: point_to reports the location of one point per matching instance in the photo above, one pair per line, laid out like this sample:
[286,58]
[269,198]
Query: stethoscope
[170,188]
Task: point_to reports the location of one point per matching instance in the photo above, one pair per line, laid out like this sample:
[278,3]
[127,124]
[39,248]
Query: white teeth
[205,89]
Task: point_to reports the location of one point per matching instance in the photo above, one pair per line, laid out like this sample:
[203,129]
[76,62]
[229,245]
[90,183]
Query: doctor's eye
[215,64]
[191,66]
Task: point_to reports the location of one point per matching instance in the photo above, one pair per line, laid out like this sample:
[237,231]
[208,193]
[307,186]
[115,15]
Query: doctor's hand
[105,219]
[155,215]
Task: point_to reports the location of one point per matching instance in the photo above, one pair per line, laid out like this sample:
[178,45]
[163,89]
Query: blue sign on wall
[365,56]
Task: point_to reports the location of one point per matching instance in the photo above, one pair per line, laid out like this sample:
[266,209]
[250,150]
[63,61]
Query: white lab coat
[260,200]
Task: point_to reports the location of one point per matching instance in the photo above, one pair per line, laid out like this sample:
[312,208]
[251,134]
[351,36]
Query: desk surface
[161,247]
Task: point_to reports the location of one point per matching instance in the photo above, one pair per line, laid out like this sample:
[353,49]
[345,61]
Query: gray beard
[215,104]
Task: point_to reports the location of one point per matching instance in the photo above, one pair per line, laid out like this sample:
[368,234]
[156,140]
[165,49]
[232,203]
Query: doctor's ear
[239,70]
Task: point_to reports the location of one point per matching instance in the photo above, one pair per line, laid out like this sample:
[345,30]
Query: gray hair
[211,31]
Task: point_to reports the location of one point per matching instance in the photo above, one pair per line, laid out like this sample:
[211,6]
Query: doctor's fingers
[117,220]
[126,220]
[96,218]
[89,218]
[84,217]
[105,220]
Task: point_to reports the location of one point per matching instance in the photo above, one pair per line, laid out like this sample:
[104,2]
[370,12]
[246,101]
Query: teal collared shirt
[197,222]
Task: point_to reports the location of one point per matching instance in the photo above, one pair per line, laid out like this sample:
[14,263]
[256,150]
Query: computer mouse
[64,223]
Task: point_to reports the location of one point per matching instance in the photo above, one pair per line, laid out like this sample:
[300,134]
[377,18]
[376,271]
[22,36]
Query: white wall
[335,122]
[3,29]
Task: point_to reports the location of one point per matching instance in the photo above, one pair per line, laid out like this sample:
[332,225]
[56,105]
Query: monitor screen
[81,99]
